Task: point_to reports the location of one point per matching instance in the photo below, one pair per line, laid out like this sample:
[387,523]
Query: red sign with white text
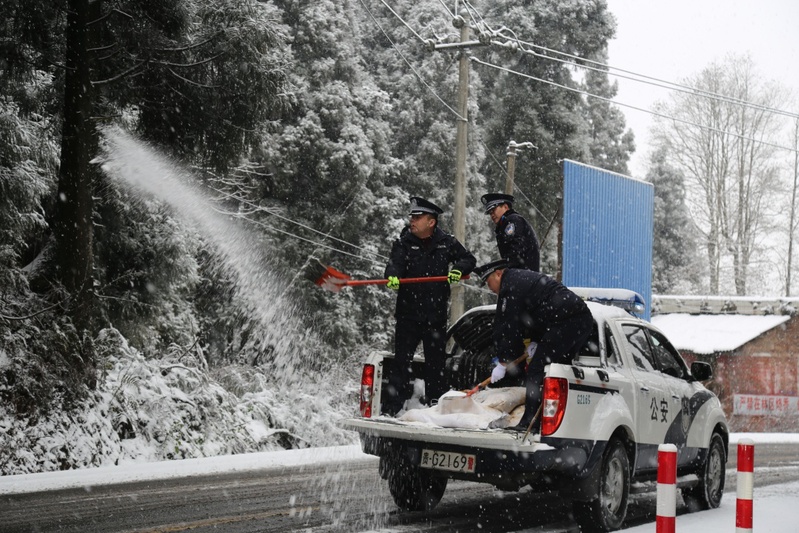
[758,405]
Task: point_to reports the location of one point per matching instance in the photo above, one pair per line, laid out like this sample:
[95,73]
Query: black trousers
[408,335]
[559,344]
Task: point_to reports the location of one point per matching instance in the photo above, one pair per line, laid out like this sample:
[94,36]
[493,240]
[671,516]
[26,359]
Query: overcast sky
[674,39]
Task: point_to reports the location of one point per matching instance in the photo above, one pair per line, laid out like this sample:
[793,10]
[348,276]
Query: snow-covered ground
[136,471]
[775,511]
[775,506]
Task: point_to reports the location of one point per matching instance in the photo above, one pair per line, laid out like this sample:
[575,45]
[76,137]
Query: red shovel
[334,280]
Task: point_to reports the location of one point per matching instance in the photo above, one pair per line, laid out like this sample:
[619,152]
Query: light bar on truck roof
[630,301]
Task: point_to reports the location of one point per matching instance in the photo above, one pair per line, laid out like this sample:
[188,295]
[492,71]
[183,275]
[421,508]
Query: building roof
[707,334]
[710,305]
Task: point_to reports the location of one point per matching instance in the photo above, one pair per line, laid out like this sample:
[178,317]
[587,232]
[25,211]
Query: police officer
[531,304]
[422,250]
[516,238]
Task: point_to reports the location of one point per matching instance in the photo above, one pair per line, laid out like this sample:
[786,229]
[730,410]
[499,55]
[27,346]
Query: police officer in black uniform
[422,250]
[533,305]
[516,238]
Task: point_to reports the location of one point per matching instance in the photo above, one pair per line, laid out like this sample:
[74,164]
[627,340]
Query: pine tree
[609,146]
[675,260]
[199,77]
[526,109]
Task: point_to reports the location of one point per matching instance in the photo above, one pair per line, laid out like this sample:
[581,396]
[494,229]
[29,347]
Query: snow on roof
[706,334]
[739,305]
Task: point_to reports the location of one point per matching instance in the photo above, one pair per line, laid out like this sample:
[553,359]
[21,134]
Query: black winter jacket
[528,304]
[411,258]
[517,241]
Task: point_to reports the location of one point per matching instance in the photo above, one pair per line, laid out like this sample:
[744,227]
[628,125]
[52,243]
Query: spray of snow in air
[295,402]
[259,289]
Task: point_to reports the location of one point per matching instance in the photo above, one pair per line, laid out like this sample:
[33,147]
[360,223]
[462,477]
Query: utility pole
[512,146]
[792,218]
[459,208]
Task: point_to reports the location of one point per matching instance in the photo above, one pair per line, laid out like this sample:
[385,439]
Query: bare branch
[109,56]
[104,17]
[99,48]
[189,65]
[189,47]
[26,317]
[202,85]
[119,76]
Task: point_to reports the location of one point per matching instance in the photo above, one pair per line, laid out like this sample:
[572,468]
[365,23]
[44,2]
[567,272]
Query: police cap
[492,200]
[484,271]
[420,206]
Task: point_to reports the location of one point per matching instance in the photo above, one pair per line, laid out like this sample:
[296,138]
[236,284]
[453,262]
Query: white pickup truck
[604,417]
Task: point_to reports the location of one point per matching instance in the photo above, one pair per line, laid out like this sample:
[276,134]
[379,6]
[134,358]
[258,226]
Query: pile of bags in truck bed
[488,408]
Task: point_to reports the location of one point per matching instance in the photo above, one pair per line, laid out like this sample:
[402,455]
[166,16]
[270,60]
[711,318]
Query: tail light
[367,390]
[556,392]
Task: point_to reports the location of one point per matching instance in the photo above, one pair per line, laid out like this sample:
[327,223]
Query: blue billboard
[607,230]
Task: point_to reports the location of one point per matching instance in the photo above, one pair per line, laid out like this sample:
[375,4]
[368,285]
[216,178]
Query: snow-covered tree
[676,266]
[525,109]
[723,150]
[793,219]
[609,146]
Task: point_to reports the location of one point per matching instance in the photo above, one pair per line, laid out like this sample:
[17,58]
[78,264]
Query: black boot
[393,403]
[532,401]
[524,424]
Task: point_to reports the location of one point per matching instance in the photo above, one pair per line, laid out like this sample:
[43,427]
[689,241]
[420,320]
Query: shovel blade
[331,279]
[333,284]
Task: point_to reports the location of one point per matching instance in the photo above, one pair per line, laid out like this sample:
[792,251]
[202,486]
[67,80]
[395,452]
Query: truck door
[685,399]
[654,412]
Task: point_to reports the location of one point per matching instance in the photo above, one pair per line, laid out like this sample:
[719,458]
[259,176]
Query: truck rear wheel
[608,510]
[414,488]
[707,494]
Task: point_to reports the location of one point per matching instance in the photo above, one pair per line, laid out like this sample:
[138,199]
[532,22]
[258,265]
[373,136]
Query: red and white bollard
[745,483]
[667,488]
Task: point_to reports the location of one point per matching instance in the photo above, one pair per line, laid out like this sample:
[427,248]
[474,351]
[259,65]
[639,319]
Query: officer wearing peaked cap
[516,238]
[420,206]
[422,250]
[533,305]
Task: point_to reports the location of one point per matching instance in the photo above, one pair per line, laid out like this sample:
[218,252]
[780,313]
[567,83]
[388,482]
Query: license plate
[454,462]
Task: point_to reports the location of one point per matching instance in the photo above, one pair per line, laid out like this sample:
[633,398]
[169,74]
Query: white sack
[456,410]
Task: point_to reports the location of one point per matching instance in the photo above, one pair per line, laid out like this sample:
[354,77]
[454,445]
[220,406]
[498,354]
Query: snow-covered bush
[172,408]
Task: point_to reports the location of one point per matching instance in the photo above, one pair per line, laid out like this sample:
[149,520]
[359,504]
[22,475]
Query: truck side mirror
[701,371]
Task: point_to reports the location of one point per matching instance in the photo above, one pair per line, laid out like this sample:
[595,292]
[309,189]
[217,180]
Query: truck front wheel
[607,511]
[707,494]
[414,488]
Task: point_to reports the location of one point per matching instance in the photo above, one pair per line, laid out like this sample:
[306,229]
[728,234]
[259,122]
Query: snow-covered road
[775,505]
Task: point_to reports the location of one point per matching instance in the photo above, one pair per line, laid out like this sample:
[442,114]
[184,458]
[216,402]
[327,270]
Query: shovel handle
[480,386]
[353,282]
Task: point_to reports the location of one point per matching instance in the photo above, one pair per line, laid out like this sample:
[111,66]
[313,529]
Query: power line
[261,209]
[472,12]
[654,113]
[321,245]
[294,235]
[577,62]
[640,78]
[446,8]
[419,76]
[582,62]
[398,18]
